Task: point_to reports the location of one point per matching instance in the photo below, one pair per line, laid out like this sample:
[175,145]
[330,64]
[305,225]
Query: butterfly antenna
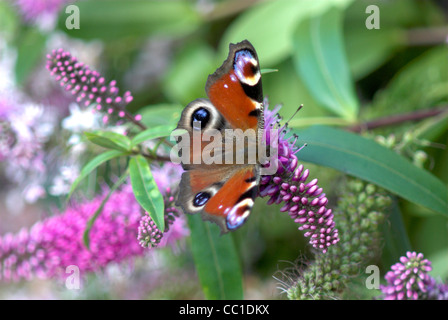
[294,114]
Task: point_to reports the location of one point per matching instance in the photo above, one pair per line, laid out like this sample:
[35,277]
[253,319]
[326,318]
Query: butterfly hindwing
[224,196]
[235,199]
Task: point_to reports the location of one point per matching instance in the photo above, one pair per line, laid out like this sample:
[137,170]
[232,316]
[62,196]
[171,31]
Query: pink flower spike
[45,250]
[76,76]
[304,201]
[409,279]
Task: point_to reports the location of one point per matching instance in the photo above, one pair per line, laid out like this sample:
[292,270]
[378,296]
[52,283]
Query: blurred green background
[163,51]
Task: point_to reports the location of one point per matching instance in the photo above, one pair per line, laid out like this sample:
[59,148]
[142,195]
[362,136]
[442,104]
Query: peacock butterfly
[224,191]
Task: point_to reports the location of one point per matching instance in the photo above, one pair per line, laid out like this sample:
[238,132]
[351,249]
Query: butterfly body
[228,128]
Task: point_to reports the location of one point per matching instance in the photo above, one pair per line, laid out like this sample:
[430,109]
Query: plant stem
[427,36]
[155,157]
[129,116]
[397,119]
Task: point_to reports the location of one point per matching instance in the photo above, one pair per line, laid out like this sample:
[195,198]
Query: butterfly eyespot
[246,67]
[236,217]
[201,115]
[201,198]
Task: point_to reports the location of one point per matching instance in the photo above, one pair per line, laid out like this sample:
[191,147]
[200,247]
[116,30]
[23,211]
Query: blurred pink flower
[56,243]
[50,246]
[7,136]
[6,106]
[25,128]
[35,9]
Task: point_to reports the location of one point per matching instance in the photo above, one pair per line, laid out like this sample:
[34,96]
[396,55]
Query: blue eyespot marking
[200,115]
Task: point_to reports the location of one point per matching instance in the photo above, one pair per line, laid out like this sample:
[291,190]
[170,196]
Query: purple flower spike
[50,246]
[304,201]
[409,279]
[88,85]
[149,236]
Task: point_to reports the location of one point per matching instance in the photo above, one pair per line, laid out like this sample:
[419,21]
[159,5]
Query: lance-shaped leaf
[367,160]
[109,140]
[321,62]
[92,165]
[152,133]
[91,221]
[146,191]
[216,261]
[396,240]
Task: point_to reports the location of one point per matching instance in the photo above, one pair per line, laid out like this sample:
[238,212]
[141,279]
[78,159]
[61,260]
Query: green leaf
[369,49]
[9,21]
[270,25]
[216,260]
[194,62]
[93,164]
[395,237]
[86,237]
[326,121]
[109,140]
[421,84]
[432,128]
[30,48]
[287,88]
[146,191]
[320,60]
[367,160]
[439,263]
[161,114]
[113,19]
[152,133]
[431,234]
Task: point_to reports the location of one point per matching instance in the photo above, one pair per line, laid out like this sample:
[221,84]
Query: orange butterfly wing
[225,193]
